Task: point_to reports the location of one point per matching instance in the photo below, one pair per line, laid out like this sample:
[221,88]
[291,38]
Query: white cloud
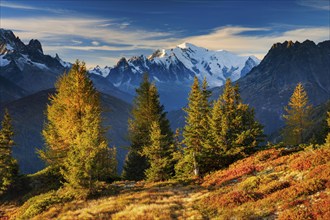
[231,39]
[316,4]
[124,25]
[76,41]
[60,35]
[51,29]
[95,43]
[12,5]
[91,48]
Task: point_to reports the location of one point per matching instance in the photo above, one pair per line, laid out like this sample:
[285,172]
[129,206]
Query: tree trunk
[196,170]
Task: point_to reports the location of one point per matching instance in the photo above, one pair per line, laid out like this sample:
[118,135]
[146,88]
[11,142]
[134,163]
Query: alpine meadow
[165,109]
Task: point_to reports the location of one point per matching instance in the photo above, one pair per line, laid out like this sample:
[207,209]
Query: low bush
[274,186]
[250,183]
[40,203]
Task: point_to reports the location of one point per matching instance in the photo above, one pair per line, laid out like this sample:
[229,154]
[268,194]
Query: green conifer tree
[158,154]
[193,132]
[177,147]
[296,117]
[213,152]
[233,128]
[75,139]
[146,109]
[205,110]
[8,165]
[205,154]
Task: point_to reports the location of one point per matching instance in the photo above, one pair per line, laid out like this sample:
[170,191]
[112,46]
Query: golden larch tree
[296,117]
[75,139]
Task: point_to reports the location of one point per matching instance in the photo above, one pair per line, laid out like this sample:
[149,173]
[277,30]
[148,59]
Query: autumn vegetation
[217,166]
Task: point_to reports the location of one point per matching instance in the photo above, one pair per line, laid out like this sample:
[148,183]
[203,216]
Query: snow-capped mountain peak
[63,63]
[158,53]
[34,70]
[187,45]
[15,54]
[174,69]
[179,65]
[100,71]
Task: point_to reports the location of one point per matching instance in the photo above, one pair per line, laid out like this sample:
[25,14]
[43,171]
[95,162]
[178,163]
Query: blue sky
[100,32]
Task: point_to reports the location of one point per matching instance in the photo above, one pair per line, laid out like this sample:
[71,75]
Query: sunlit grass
[273,184]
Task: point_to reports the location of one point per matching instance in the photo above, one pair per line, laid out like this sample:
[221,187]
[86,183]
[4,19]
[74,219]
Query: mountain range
[27,77]
[26,69]
[173,71]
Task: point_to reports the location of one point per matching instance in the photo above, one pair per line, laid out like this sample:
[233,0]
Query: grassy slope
[272,184]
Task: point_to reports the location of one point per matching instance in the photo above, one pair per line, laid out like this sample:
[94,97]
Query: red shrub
[254,163]
[293,203]
[224,176]
[307,198]
[306,188]
[281,163]
[321,209]
[321,172]
[305,209]
[234,199]
[270,154]
[298,213]
[301,164]
[311,159]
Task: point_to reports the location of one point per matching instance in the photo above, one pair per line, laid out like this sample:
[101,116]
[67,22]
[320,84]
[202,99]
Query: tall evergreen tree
[296,117]
[233,128]
[159,155]
[205,110]
[177,146]
[146,109]
[8,165]
[75,139]
[194,132]
[213,152]
[205,153]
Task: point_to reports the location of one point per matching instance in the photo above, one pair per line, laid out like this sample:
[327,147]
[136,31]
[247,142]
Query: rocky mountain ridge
[269,86]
